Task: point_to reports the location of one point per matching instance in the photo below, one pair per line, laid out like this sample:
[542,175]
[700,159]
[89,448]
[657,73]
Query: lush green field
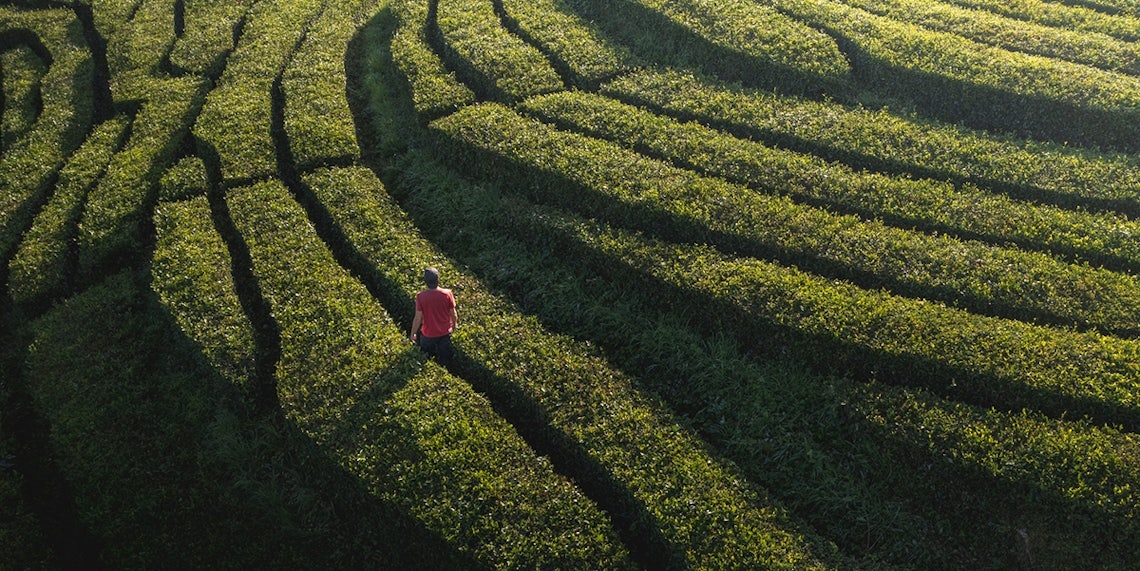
[742,284]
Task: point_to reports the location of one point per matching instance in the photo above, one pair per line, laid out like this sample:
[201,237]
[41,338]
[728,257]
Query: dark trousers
[438,348]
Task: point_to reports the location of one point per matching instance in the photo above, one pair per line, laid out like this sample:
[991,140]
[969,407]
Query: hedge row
[317,118]
[773,420]
[489,58]
[975,357]
[27,167]
[960,80]
[699,507]
[116,213]
[1081,47]
[20,73]
[882,140]
[627,189]
[581,51]
[139,45]
[236,120]
[435,90]
[209,33]
[416,435]
[963,210]
[1075,16]
[41,267]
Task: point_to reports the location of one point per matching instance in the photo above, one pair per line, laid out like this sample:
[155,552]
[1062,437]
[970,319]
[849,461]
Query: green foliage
[434,89]
[40,269]
[209,34]
[494,61]
[185,179]
[884,140]
[1083,47]
[236,120]
[607,181]
[570,40]
[140,43]
[20,70]
[433,446]
[599,409]
[1077,16]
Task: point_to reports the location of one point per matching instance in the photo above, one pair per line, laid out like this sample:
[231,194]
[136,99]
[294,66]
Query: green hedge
[1075,15]
[883,140]
[698,505]
[627,189]
[487,57]
[20,73]
[973,357]
[959,80]
[576,44]
[208,35]
[832,449]
[317,118]
[435,90]
[416,435]
[40,269]
[964,210]
[236,120]
[1083,47]
[139,45]
[116,213]
[28,166]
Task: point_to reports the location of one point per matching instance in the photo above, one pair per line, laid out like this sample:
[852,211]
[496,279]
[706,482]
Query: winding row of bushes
[886,141]
[435,90]
[236,120]
[704,513]
[960,80]
[209,33]
[772,419]
[318,121]
[964,210]
[1071,15]
[583,53]
[627,189]
[1083,47]
[490,59]
[140,44]
[42,266]
[22,70]
[28,165]
[414,434]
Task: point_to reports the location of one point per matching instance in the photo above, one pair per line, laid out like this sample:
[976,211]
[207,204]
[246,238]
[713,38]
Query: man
[435,319]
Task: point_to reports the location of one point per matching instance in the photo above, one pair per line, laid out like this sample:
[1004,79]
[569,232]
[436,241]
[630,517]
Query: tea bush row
[210,32]
[964,210]
[977,358]
[140,44]
[991,88]
[490,59]
[417,436]
[610,182]
[41,268]
[317,118]
[28,165]
[759,32]
[1077,16]
[22,70]
[574,42]
[772,419]
[435,90]
[116,213]
[236,120]
[699,506]
[1083,47]
[888,141]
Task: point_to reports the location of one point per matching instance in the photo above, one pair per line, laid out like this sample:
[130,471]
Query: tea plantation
[742,284]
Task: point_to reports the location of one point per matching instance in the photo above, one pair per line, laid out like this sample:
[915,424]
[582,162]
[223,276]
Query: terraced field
[742,284]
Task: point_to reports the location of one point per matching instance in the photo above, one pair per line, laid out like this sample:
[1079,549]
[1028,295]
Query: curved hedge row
[886,141]
[963,210]
[1076,16]
[703,511]
[435,90]
[627,189]
[210,30]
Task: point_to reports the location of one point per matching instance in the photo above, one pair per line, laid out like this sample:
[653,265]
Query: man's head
[431,277]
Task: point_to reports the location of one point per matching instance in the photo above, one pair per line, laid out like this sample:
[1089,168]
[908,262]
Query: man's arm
[417,321]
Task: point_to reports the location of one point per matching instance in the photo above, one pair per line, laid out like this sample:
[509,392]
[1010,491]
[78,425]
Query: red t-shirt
[436,305]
